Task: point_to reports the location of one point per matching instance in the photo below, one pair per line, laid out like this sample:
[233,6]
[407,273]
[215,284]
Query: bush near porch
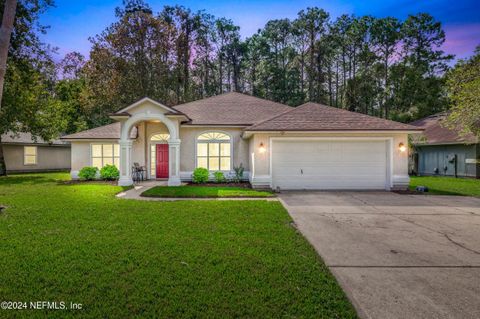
[125,258]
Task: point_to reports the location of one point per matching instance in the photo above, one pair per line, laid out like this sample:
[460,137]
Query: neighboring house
[308,147]
[444,152]
[23,154]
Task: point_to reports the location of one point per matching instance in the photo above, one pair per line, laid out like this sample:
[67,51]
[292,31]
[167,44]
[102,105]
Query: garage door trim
[389,148]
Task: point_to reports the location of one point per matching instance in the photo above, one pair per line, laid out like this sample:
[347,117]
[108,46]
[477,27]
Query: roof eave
[409,131]
[247,132]
[444,143]
[73,139]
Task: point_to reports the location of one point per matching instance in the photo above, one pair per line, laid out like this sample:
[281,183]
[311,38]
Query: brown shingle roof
[27,138]
[110,131]
[317,117]
[435,133]
[231,109]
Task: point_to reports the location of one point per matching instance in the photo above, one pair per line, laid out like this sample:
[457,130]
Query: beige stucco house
[23,153]
[311,146]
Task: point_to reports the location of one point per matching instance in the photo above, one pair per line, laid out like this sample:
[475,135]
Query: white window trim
[101,143]
[25,155]
[219,141]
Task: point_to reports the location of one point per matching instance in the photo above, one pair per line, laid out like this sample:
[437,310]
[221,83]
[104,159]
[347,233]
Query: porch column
[125,163]
[174,162]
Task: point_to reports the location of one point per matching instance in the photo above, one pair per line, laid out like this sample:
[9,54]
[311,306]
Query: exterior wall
[261,161]
[432,157]
[80,155]
[49,158]
[188,136]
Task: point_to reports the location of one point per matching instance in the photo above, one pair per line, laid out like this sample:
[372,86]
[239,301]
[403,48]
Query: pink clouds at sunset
[461,39]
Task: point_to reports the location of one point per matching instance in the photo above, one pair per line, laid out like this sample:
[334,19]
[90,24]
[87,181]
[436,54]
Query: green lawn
[447,185]
[124,258]
[204,192]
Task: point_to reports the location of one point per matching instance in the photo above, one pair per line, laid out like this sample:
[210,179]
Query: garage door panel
[329,164]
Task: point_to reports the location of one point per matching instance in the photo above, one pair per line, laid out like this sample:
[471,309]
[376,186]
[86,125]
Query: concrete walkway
[396,256]
[139,188]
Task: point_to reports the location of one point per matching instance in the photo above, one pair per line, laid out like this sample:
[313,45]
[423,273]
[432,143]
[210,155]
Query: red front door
[162,160]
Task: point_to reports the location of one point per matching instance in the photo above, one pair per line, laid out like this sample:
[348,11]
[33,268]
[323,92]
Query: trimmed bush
[219,177]
[88,173]
[200,175]
[109,173]
[238,173]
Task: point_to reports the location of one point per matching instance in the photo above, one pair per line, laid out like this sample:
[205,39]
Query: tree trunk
[5,33]
[386,87]
[330,85]
[311,67]
[3,167]
[220,73]
[337,75]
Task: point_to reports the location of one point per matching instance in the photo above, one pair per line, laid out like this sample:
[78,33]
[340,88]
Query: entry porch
[149,139]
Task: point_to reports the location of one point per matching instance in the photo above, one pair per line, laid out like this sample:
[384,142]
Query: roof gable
[146,101]
[318,117]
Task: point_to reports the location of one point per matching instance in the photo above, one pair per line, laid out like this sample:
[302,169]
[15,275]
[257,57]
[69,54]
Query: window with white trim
[29,155]
[103,154]
[214,151]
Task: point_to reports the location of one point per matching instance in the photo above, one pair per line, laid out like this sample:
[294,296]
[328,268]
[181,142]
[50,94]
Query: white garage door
[327,164]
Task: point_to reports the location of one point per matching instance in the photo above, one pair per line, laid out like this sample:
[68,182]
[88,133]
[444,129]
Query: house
[23,153]
[311,146]
[444,152]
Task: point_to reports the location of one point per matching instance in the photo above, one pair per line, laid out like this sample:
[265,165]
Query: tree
[5,33]
[314,23]
[28,100]
[417,78]
[131,59]
[70,90]
[385,37]
[382,67]
[464,90]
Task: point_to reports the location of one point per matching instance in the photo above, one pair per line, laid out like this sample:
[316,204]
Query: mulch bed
[409,192]
[228,184]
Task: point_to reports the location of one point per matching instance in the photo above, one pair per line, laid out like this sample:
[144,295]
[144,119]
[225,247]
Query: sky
[72,22]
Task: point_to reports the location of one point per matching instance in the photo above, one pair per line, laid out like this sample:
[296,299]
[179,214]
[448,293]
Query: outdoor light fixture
[262,148]
[401,147]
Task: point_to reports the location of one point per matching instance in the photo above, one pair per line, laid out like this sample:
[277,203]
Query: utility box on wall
[448,160]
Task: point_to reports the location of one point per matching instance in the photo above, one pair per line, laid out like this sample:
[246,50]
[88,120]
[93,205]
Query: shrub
[88,173]
[109,173]
[200,175]
[219,177]
[238,173]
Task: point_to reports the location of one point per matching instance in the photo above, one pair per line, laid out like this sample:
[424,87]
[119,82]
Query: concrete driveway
[396,256]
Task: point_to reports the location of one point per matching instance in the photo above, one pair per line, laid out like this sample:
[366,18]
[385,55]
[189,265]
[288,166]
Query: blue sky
[73,22]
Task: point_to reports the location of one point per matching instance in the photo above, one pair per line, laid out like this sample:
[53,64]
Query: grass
[447,185]
[204,192]
[124,258]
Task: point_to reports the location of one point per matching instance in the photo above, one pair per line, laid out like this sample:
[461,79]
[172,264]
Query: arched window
[214,151]
[160,137]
